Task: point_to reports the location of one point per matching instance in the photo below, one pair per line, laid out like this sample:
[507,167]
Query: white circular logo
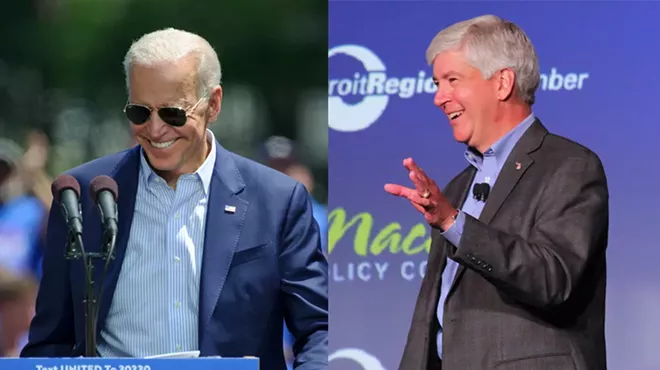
[346,117]
[362,358]
[372,88]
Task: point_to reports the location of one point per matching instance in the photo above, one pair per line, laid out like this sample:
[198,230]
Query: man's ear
[214,104]
[505,83]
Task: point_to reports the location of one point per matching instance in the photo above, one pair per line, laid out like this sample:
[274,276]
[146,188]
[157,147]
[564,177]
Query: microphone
[480,191]
[66,192]
[103,190]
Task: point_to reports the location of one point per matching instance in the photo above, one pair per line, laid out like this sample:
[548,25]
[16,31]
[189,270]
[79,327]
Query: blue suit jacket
[260,264]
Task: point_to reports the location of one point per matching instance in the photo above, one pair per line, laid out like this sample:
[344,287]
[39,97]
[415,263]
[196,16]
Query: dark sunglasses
[174,116]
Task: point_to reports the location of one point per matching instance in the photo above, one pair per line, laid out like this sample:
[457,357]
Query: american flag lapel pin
[518,166]
[230,209]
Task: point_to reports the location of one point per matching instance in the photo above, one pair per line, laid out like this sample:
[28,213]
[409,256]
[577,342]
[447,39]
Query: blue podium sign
[80,363]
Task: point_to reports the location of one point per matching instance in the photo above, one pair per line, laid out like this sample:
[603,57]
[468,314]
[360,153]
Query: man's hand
[426,197]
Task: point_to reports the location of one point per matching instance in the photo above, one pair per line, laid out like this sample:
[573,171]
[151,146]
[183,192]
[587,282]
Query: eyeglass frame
[188,111]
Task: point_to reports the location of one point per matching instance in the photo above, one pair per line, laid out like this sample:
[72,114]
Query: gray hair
[490,44]
[170,45]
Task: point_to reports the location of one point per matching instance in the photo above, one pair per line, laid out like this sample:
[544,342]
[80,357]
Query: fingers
[416,199]
[419,208]
[410,165]
[411,194]
[419,185]
[398,190]
[417,175]
[422,185]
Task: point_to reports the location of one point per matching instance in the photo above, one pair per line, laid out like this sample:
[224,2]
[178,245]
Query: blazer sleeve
[570,233]
[304,274]
[52,329]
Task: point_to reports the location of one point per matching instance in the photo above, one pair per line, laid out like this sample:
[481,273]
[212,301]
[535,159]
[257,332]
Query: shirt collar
[204,172]
[502,147]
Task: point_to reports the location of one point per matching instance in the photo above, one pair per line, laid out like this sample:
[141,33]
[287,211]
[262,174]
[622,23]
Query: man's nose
[155,125]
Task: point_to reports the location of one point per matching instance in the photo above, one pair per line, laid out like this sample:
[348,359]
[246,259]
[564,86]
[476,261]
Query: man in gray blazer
[516,273]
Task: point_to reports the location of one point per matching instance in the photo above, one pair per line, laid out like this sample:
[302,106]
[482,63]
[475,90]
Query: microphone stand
[76,250]
[107,255]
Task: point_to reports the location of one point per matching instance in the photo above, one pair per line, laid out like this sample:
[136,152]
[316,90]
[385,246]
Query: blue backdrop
[599,62]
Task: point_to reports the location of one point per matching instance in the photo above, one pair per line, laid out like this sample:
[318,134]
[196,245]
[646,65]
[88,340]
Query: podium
[87,363]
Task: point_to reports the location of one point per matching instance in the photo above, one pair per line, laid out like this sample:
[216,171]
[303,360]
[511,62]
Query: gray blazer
[530,290]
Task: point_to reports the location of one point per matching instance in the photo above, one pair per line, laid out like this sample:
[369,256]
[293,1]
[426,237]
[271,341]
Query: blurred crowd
[25,199]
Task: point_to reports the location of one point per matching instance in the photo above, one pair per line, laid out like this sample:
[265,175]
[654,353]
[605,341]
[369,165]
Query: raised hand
[426,197]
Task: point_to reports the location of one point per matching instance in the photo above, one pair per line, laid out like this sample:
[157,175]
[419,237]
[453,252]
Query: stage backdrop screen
[599,86]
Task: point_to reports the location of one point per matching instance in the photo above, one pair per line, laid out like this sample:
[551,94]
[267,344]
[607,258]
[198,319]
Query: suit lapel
[514,167]
[126,176]
[516,164]
[222,233]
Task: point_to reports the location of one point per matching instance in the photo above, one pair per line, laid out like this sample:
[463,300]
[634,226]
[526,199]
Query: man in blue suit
[213,250]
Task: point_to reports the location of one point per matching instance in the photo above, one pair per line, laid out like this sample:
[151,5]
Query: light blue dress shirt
[155,306]
[488,168]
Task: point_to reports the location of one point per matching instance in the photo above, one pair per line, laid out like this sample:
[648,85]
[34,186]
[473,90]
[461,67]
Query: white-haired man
[213,250]
[516,272]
